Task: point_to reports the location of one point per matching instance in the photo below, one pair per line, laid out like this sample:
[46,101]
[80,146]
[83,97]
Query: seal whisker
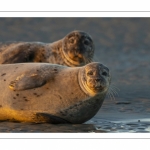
[114,91]
[91,59]
[88,60]
[108,95]
[114,86]
[111,93]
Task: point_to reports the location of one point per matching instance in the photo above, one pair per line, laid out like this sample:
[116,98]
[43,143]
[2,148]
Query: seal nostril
[97,80]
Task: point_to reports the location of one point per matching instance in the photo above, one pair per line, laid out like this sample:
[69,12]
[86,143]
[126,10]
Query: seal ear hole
[104,73]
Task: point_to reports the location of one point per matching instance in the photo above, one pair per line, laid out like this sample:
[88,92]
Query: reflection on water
[128,126]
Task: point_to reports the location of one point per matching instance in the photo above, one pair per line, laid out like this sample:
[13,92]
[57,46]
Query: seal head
[78,48]
[94,78]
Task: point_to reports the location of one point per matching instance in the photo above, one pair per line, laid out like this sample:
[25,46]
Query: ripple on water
[125,126]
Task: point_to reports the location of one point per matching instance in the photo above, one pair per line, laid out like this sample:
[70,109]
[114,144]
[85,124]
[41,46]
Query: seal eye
[104,73]
[86,42]
[90,73]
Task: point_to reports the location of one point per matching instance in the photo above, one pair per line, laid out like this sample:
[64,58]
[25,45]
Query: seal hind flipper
[44,117]
[25,82]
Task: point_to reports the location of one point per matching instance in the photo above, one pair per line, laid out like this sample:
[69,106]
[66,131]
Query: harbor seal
[75,49]
[43,92]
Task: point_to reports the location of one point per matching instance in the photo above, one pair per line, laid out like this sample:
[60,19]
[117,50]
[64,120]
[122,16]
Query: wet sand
[122,44]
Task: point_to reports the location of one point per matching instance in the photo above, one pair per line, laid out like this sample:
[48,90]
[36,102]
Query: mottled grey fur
[75,49]
[43,92]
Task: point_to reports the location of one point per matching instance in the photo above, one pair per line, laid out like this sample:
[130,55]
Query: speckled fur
[22,52]
[43,92]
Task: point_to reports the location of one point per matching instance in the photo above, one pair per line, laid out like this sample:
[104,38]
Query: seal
[44,92]
[75,49]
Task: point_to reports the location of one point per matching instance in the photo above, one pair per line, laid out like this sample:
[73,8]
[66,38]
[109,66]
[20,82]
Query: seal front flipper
[25,82]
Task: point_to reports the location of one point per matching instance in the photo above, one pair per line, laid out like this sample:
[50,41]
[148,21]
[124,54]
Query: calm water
[122,44]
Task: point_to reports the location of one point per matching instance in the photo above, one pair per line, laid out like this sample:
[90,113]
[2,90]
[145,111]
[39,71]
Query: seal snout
[97,83]
[99,86]
[98,80]
[78,48]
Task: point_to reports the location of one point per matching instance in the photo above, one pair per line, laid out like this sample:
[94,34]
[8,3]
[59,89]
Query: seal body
[75,49]
[43,92]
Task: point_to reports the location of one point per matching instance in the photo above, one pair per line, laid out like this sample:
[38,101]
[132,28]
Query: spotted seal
[75,49]
[44,92]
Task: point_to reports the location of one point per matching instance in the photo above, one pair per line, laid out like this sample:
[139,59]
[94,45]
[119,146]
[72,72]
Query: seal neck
[83,84]
[56,45]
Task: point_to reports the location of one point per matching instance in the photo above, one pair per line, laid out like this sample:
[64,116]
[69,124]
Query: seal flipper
[44,117]
[25,82]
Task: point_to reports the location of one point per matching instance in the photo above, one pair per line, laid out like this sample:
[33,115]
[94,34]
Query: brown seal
[75,49]
[44,92]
